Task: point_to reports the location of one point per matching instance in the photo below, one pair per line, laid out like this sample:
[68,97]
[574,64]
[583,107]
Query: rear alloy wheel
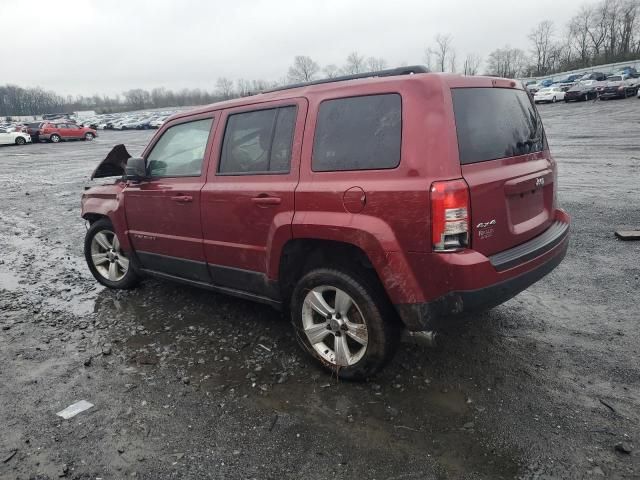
[89,136]
[20,141]
[344,323]
[105,258]
[55,138]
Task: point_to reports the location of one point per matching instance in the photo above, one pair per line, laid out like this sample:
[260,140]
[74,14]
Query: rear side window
[495,123]
[358,133]
[258,142]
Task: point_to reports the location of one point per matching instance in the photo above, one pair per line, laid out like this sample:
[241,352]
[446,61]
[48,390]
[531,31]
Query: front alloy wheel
[107,261]
[107,257]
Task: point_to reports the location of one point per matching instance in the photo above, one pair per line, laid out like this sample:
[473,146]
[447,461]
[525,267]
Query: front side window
[180,150]
[358,133]
[258,142]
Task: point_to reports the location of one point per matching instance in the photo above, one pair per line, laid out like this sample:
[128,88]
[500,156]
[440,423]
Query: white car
[549,94]
[13,138]
[158,122]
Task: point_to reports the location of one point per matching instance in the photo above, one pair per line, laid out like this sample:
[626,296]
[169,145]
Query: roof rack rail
[392,72]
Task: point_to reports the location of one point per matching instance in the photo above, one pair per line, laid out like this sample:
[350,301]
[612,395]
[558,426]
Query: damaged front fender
[113,164]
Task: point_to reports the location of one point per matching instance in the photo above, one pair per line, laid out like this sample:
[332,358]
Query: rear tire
[553,100]
[107,262]
[344,322]
[89,136]
[55,138]
[20,141]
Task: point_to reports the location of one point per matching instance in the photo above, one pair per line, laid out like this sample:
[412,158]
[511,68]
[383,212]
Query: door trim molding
[233,281]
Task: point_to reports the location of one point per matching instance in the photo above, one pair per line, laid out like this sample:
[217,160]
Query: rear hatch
[506,163]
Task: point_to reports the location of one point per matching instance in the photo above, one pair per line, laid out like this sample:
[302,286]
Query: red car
[360,206]
[55,132]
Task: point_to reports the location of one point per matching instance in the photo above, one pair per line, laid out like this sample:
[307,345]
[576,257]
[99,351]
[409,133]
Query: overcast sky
[107,46]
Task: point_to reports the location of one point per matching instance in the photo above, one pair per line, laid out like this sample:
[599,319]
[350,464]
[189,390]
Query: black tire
[89,136]
[20,141]
[553,100]
[586,97]
[377,314]
[55,138]
[130,278]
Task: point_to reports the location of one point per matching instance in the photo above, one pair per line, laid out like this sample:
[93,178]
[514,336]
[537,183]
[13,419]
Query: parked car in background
[33,129]
[533,88]
[14,138]
[549,95]
[158,122]
[598,76]
[618,86]
[55,116]
[627,71]
[358,207]
[583,90]
[55,132]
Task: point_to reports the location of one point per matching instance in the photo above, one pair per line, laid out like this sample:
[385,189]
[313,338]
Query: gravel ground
[190,384]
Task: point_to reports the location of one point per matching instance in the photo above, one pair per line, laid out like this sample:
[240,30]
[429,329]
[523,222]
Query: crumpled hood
[113,164]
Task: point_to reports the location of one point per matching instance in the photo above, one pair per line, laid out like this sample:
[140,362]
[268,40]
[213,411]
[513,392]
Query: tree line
[599,33]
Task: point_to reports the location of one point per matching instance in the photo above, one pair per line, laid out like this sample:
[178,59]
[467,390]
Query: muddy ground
[191,384]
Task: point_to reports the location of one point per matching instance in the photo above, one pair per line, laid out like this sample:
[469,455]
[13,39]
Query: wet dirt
[190,384]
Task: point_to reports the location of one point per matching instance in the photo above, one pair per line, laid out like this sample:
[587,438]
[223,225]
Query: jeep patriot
[360,206]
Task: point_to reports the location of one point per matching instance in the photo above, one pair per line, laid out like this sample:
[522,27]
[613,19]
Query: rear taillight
[450,215]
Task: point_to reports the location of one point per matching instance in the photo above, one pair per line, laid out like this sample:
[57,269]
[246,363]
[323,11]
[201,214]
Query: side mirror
[135,169]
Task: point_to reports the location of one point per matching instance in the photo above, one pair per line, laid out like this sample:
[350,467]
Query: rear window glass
[358,133]
[495,123]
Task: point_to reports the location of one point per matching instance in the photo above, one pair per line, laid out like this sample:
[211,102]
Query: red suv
[55,132]
[359,205]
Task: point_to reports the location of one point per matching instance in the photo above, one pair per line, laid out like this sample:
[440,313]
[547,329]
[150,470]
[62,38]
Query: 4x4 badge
[540,182]
[486,224]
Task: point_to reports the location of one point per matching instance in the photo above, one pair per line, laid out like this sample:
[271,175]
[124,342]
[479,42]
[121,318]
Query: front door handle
[182,198]
[265,199]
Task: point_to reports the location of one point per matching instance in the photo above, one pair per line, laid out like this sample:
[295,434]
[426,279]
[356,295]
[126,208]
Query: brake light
[450,215]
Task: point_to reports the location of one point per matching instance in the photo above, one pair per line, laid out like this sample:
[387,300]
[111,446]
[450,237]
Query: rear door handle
[182,198]
[265,199]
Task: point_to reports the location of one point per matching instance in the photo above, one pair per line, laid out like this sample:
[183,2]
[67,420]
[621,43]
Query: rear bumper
[499,278]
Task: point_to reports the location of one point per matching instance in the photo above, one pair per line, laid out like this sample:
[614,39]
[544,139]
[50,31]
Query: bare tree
[224,87]
[331,71]
[452,62]
[428,58]
[375,64]
[355,64]
[542,46]
[304,69]
[243,87]
[578,35]
[506,62]
[471,64]
[442,51]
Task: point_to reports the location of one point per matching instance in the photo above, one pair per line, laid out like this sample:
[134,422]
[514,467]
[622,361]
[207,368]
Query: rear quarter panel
[396,215]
